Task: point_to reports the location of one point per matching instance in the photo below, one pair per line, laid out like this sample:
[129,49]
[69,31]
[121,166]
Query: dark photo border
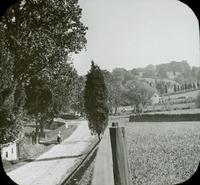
[193,4]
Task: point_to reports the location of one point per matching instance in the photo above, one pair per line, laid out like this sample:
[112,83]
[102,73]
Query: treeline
[186,86]
[181,72]
[37,78]
[169,87]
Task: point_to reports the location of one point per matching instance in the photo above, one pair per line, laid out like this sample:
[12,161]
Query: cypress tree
[95,100]
[175,88]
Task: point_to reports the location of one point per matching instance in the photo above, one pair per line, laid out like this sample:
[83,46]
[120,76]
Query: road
[53,166]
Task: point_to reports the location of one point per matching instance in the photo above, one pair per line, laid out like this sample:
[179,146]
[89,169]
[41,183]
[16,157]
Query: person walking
[59,137]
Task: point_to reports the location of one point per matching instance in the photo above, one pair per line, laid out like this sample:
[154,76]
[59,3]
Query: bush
[54,125]
[69,116]
[164,117]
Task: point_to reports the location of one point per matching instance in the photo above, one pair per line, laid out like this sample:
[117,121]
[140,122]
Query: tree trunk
[9,100]
[36,130]
[41,129]
[115,110]
[99,137]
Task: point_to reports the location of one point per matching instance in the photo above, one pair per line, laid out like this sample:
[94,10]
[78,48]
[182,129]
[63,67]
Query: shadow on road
[53,158]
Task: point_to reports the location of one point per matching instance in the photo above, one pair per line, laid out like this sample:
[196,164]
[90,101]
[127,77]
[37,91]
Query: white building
[9,151]
[155,99]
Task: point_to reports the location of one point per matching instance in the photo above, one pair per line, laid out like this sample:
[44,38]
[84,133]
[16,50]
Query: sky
[136,33]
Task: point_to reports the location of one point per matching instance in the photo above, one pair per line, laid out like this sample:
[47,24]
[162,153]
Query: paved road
[54,165]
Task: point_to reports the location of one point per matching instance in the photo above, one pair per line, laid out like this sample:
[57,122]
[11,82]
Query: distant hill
[180,72]
[174,66]
[166,78]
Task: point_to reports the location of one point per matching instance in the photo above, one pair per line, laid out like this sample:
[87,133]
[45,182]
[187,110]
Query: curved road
[52,167]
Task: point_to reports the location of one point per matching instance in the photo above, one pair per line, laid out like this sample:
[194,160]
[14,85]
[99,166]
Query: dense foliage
[96,96]
[138,93]
[37,38]
[125,88]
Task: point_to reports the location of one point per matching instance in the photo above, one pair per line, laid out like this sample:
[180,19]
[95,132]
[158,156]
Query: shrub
[164,117]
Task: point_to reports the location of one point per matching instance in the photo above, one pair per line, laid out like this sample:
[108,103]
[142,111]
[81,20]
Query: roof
[10,143]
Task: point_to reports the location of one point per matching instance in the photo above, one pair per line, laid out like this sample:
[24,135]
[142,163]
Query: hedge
[164,117]
[69,116]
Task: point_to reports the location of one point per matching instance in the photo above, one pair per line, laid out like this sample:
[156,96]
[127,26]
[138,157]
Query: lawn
[163,153]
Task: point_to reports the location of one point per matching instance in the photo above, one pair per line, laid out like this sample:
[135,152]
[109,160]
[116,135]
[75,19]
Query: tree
[160,86]
[166,88]
[178,88]
[149,73]
[77,98]
[117,81]
[39,102]
[40,33]
[95,100]
[185,86]
[8,129]
[198,84]
[138,93]
[194,85]
[63,81]
[175,88]
[108,78]
[35,35]
[190,85]
[162,73]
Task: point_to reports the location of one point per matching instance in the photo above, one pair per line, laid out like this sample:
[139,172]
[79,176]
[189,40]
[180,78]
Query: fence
[111,164]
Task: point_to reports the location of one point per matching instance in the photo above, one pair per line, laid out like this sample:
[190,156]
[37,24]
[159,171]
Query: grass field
[163,153]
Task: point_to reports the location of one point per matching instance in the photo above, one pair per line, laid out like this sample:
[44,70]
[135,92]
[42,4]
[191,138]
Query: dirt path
[54,165]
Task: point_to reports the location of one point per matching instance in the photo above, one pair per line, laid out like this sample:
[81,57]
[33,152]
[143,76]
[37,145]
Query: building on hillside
[170,88]
[10,151]
[140,74]
[155,99]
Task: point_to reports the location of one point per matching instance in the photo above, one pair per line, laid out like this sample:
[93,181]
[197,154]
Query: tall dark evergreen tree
[175,88]
[95,100]
[193,85]
[178,88]
[166,89]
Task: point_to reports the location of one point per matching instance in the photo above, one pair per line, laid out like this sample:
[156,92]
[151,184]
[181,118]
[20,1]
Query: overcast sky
[135,33]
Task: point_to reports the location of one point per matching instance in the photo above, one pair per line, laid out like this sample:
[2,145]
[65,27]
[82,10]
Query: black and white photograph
[100,92]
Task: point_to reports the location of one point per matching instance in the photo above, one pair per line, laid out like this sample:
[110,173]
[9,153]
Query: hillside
[165,78]
[180,72]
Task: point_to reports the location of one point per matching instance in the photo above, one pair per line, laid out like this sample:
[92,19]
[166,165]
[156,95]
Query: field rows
[162,153]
